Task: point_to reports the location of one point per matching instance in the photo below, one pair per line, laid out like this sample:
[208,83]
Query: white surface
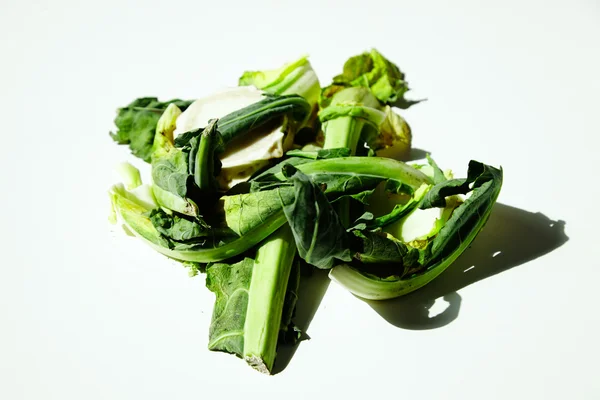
[88,313]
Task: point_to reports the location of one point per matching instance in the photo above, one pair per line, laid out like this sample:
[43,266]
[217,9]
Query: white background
[88,313]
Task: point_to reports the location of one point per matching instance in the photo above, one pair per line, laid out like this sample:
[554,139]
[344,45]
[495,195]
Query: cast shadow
[397,153]
[311,291]
[417,154]
[510,238]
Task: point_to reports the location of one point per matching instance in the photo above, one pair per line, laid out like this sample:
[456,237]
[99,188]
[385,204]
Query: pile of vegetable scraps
[255,183]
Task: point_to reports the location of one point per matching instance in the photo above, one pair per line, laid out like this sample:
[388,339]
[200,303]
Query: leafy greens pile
[251,182]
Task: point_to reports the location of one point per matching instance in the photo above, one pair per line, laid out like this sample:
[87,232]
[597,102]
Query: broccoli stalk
[350,112]
[266,297]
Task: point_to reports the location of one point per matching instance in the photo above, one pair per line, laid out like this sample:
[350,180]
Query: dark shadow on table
[510,238]
[310,294]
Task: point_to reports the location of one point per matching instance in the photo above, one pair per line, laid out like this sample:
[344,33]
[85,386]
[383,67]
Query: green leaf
[273,176]
[171,173]
[178,228]
[379,247]
[167,123]
[132,209]
[371,70]
[319,234]
[394,131]
[245,212]
[438,174]
[436,197]
[296,77]
[401,210]
[231,286]
[362,222]
[478,174]
[269,109]
[130,175]
[257,114]
[136,124]
[169,164]
[466,218]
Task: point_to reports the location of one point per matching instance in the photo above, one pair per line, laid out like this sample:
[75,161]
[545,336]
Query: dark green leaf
[231,286]
[136,124]
[362,197]
[362,222]
[466,218]
[398,212]
[478,174]
[246,212]
[268,179]
[377,247]
[262,112]
[438,174]
[374,71]
[355,185]
[436,197]
[185,138]
[253,116]
[319,234]
[178,228]
[171,172]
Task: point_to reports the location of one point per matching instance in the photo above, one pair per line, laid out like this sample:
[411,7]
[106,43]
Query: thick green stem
[343,210]
[386,168]
[270,276]
[204,166]
[343,132]
[164,198]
